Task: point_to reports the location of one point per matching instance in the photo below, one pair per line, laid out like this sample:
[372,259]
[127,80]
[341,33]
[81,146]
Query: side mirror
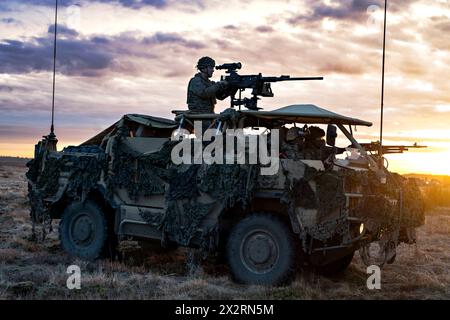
[331,135]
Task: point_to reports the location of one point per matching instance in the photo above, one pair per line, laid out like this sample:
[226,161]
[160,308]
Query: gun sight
[230,66]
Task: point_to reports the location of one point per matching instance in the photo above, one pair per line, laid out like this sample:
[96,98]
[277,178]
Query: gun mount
[259,84]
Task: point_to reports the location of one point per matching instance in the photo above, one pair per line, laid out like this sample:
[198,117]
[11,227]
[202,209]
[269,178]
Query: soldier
[292,146]
[202,92]
[316,148]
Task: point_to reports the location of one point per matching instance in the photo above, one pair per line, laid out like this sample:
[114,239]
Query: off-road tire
[261,250]
[83,231]
[335,267]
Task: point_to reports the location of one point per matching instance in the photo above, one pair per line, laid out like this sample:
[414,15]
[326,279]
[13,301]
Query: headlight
[361,228]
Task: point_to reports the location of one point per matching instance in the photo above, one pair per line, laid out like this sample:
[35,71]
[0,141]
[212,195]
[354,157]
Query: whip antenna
[54,69]
[380,152]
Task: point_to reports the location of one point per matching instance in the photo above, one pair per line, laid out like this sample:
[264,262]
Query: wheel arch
[98,195]
[259,205]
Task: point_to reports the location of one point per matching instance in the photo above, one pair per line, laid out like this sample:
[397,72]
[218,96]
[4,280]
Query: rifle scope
[230,66]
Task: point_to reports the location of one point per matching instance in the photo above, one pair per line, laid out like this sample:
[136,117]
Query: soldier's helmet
[316,132]
[293,133]
[204,62]
[316,135]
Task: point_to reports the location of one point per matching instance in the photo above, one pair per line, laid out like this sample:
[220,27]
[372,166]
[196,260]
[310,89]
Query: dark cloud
[230,27]
[9,21]
[4,88]
[354,10]
[163,38]
[62,30]
[264,29]
[100,40]
[75,57]
[135,4]
[82,58]
[86,56]
[48,3]
[346,9]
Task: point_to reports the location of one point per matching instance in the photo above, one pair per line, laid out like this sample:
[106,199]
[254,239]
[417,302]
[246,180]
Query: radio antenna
[52,128]
[380,152]
[50,140]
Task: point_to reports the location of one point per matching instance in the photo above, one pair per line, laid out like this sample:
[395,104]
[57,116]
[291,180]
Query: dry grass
[30,270]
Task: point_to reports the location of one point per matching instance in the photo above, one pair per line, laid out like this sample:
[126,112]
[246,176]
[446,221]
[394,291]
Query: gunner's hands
[223,84]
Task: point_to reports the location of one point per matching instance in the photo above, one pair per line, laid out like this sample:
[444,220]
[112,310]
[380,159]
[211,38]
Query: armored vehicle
[317,208]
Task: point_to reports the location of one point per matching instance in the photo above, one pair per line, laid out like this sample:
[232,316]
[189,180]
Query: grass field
[37,270]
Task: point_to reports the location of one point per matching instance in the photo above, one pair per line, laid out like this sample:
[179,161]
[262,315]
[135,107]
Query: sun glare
[420,162]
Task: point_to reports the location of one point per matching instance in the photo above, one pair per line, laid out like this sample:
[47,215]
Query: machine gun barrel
[375,147]
[288,78]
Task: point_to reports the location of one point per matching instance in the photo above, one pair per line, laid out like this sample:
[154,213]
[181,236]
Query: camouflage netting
[145,175]
[150,174]
[390,213]
[231,116]
[140,174]
[150,217]
[380,207]
[182,219]
[413,204]
[227,185]
[329,200]
[397,203]
[231,184]
[82,173]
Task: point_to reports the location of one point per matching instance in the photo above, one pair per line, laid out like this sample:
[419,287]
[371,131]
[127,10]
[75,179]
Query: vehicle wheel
[83,230]
[260,250]
[335,267]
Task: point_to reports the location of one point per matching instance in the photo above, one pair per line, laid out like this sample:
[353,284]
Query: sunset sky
[130,56]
